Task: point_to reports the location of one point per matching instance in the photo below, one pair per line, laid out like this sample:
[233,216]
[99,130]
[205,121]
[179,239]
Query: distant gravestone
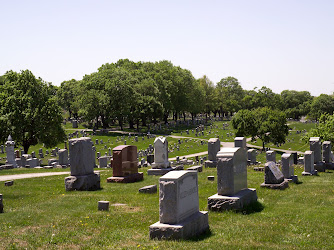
[161,164]
[125,165]
[10,152]
[309,164]
[63,157]
[271,156]
[232,181]
[287,167]
[327,155]
[240,142]
[251,156]
[82,168]
[315,146]
[103,161]
[179,215]
[273,177]
[213,149]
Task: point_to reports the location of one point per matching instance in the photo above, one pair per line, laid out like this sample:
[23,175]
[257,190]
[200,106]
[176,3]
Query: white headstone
[10,151]
[160,153]
[213,149]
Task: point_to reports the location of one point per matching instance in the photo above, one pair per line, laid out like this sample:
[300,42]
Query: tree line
[135,94]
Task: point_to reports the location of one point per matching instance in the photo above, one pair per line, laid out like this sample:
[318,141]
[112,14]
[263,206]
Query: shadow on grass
[298,182]
[201,237]
[254,207]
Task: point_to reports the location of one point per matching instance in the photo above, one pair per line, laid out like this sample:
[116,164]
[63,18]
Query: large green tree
[324,129]
[263,123]
[321,105]
[29,110]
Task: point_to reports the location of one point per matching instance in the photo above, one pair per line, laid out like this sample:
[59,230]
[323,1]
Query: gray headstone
[272,174]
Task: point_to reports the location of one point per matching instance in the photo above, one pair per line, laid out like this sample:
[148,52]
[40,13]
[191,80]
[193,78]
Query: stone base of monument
[330,166]
[88,182]
[194,225]
[320,167]
[159,171]
[127,179]
[283,185]
[236,202]
[210,164]
[293,178]
[314,172]
[7,166]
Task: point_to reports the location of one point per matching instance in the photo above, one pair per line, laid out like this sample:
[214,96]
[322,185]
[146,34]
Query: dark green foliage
[29,110]
[264,123]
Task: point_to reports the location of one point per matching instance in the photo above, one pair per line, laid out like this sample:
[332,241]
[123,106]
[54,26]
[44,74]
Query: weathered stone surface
[272,174]
[9,183]
[251,156]
[127,179]
[309,164]
[213,149]
[231,170]
[240,142]
[194,225]
[81,156]
[158,171]
[103,161]
[271,156]
[326,151]
[236,202]
[179,207]
[196,168]
[287,166]
[103,205]
[283,185]
[160,153]
[178,196]
[315,146]
[151,189]
[88,182]
[124,161]
[63,157]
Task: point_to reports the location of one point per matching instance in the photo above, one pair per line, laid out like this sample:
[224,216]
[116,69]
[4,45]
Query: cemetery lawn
[39,213]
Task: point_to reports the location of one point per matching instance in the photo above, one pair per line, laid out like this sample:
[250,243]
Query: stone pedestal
[88,182]
[236,202]
[179,215]
[127,179]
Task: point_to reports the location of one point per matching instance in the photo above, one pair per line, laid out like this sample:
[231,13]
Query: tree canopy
[262,123]
[29,111]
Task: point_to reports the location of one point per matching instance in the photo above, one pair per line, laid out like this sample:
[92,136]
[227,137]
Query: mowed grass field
[39,213]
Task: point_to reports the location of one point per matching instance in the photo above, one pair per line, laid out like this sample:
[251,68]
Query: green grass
[39,213]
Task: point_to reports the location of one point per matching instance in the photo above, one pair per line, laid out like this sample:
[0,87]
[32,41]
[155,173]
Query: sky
[285,44]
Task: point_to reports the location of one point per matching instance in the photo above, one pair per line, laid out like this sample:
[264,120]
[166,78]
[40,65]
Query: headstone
[63,157]
[273,177]
[315,146]
[161,165]
[271,156]
[251,156]
[125,165]
[213,149]
[309,164]
[150,158]
[240,142]
[103,161]
[179,215]
[327,153]
[232,181]
[33,162]
[10,152]
[74,124]
[82,168]
[287,167]
[1,149]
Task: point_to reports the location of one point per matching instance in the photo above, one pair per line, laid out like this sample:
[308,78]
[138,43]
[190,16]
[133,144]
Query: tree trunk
[26,146]
[131,124]
[264,150]
[120,123]
[166,118]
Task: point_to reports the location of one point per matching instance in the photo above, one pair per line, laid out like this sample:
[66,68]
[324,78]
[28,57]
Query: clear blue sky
[281,44]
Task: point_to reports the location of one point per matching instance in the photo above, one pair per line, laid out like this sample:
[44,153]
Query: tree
[230,95]
[68,94]
[321,105]
[263,123]
[210,94]
[324,129]
[296,103]
[29,111]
